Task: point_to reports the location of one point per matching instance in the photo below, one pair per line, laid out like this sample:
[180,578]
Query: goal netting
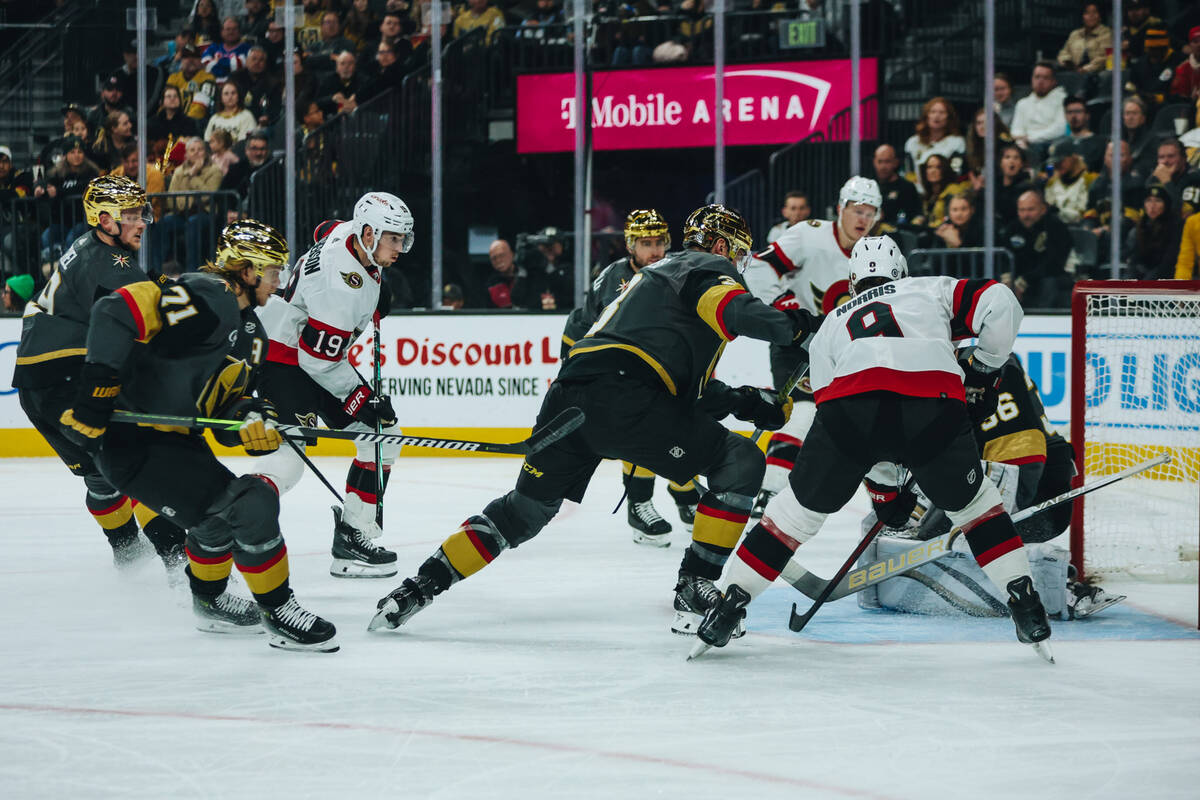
[1135,393]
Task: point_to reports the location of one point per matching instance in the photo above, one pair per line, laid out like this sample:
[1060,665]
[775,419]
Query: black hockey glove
[370,409]
[804,323]
[761,407]
[257,433]
[85,423]
[893,506]
[982,385]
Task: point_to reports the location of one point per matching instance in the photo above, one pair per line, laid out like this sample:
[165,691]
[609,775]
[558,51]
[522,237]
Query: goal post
[1135,392]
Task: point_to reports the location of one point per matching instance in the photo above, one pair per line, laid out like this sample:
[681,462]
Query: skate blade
[651,540]
[229,629]
[698,649]
[686,624]
[1042,648]
[380,620]
[284,643]
[346,568]
[1096,608]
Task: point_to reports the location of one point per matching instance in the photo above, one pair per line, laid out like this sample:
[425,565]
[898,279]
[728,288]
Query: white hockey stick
[813,586]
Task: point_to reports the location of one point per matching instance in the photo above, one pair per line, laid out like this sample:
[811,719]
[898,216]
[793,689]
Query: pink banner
[773,103]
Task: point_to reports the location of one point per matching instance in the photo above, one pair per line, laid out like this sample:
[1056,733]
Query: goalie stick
[562,425]
[813,586]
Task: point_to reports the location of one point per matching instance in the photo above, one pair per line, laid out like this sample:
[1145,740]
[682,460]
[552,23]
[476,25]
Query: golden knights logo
[352,279]
[121,260]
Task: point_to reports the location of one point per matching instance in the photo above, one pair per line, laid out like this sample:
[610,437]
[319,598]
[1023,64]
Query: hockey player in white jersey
[809,262]
[331,296]
[889,389]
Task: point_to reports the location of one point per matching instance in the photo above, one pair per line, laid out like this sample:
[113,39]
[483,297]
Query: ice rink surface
[553,674]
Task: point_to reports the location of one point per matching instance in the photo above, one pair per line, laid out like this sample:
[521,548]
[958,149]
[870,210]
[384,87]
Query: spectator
[206,23]
[343,87]
[937,133]
[939,181]
[126,76]
[258,152]
[1151,75]
[975,140]
[478,14]
[452,297]
[229,54]
[389,73]
[220,145]
[111,99]
[197,87]
[261,92]
[308,32]
[1039,117]
[1087,144]
[795,209]
[155,183]
[1015,179]
[14,225]
[273,44]
[1138,21]
[901,202]
[1187,75]
[1152,247]
[1067,190]
[360,24]
[551,284]
[116,133]
[324,51]
[1137,133]
[17,291]
[192,215]
[547,12]
[1040,244]
[53,152]
[506,286]
[13,183]
[169,62]
[1189,249]
[306,82]
[256,19]
[233,116]
[391,30]
[170,123]
[1006,104]
[1098,217]
[1170,173]
[61,189]
[1087,48]
[961,227]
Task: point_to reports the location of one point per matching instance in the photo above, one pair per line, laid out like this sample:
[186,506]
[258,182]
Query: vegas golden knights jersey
[608,284]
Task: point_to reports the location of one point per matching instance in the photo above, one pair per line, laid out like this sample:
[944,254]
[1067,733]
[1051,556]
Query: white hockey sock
[1007,568]
[359,515]
[739,572]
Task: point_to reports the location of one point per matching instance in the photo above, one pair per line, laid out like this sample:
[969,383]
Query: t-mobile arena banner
[773,103]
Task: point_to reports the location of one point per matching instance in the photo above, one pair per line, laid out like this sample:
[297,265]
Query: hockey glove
[893,506]
[85,423]
[370,409]
[982,385]
[785,301]
[761,407]
[804,323]
[257,433]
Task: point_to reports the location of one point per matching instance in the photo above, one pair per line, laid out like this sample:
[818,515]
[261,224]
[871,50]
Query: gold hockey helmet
[249,242]
[113,194]
[711,222]
[645,222]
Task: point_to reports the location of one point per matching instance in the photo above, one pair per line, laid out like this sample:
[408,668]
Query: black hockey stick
[797,375]
[813,586]
[308,462]
[562,425]
[377,384]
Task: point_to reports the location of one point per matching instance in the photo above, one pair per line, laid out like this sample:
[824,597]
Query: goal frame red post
[1079,298]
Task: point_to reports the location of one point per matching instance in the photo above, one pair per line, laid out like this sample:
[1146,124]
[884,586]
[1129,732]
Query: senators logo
[352,279]
[308,420]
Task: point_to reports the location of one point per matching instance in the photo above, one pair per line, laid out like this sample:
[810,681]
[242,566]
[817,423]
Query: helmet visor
[741,257]
[131,216]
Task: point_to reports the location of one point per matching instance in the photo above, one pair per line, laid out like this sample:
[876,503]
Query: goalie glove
[86,421]
[893,505]
[982,385]
[761,407]
[257,433]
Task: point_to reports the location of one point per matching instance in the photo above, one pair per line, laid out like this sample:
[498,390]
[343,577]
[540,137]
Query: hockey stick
[812,585]
[308,463]
[562,425]
[797,375]
[376,384]
[797,621]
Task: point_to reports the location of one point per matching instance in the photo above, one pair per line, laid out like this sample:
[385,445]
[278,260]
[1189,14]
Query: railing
[959,262]
[748,194]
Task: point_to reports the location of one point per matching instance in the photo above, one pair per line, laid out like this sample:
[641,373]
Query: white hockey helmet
[861,190]
[876,257]
[385,213]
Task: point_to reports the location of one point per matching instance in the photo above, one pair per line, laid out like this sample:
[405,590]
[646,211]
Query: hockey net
[1135,393]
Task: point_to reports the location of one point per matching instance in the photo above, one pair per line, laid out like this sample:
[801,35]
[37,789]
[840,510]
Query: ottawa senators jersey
[55,325]
[329,300]
[608,284]
[810,263]
[673,320]
[182,348]
[897,337]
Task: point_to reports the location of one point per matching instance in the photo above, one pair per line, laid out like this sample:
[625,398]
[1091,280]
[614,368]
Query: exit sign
[795,34]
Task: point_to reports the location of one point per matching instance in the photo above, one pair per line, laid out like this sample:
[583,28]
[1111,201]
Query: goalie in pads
[913,411]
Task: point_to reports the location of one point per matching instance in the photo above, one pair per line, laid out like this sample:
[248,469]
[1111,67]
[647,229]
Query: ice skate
[1083,599]
[355,555]
[722,621]
[400,606]
[1029,616]
[694,596]
[291,627]
[175,561]
[760,503]
[226,613]
[687,514]
[129,550]
[648,525]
